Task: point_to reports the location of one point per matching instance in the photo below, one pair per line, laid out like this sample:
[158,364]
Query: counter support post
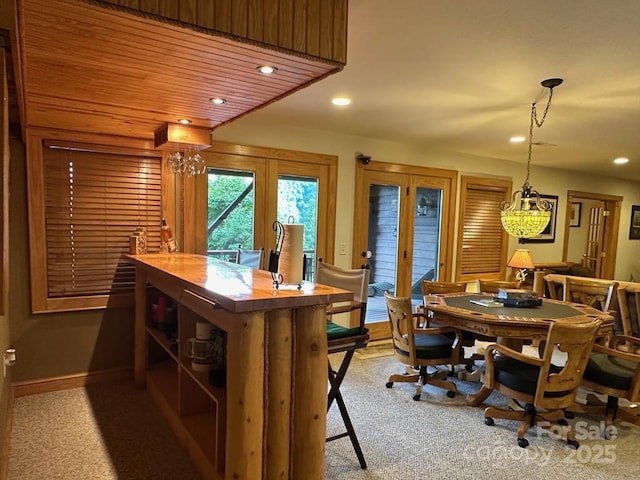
[310,380]
[140,333]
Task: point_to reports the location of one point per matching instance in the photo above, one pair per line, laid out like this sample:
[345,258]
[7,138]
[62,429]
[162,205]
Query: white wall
[250,131]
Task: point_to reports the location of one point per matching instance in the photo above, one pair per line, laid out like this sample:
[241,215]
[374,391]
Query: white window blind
[93,202]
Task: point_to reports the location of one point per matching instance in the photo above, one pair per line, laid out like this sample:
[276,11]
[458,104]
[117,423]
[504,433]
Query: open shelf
[162,379]
[161,339]
[217,394]
[195,410]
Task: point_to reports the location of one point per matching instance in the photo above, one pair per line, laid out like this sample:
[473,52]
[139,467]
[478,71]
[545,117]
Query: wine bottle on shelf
[168,241]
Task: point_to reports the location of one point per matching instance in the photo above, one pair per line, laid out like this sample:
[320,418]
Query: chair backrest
[596,294]
[400,314]
[558,389]
[355,280]
[629,305]
[493,286]
[554,288]
[250,258]
[430,287]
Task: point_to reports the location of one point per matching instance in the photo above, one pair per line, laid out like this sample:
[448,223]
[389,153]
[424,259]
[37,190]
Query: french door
[403,231]
[247,192]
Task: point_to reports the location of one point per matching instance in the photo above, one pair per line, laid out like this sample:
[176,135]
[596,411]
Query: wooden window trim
[36,138]
[273,161]
[489,184]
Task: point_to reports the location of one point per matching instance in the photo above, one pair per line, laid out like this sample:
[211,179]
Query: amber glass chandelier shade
[528,215]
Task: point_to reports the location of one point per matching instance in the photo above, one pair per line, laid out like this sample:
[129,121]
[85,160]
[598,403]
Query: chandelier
[183,142]
[528,215]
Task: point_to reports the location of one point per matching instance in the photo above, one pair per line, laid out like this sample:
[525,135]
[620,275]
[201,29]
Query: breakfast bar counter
[275,391]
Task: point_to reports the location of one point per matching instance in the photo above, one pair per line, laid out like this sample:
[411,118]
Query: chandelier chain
[534,119]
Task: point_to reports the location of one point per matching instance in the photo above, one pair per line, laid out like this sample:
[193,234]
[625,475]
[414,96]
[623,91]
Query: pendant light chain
[534,119]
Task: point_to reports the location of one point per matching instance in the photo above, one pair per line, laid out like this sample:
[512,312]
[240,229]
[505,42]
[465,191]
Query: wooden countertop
[235,288]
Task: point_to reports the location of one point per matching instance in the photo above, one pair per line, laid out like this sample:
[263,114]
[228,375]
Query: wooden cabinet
[276,357]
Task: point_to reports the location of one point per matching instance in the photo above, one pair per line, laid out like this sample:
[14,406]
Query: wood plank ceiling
[100,70]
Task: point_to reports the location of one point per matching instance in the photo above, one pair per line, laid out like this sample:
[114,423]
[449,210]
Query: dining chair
[250,258]
[545,389]
[345,339]
[419,345]
[613,370]
[493,286]
[488,287]
[468,339]
[629,307]
[596,294]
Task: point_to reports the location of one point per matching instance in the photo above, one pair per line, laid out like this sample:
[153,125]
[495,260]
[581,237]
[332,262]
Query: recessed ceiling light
[517,139]
[342,101]
[621,160]
[217,100]
[184,121]
[267,69]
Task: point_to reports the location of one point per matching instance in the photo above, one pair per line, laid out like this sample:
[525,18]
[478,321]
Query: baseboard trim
[65,382]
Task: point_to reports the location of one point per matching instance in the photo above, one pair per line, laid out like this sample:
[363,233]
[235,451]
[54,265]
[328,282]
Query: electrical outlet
[342,248]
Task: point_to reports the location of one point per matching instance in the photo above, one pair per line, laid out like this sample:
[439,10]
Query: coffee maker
[207,349]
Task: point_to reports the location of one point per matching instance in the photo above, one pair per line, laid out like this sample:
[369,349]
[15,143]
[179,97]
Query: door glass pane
[298,203]
[426,239]
[384,210]
[230,212]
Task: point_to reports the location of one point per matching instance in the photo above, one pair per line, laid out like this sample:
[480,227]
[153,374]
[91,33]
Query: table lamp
[522,261]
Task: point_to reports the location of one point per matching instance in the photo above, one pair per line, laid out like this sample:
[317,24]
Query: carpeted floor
[101,432]
[441,437]
[113,431]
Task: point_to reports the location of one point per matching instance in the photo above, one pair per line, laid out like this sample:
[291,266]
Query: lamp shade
[521,259]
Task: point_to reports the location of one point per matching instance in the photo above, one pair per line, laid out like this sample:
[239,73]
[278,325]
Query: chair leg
[350,430]
[335,380]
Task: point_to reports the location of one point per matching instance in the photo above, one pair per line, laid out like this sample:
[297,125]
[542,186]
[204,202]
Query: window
[482,242]
[91,200]
[248,188]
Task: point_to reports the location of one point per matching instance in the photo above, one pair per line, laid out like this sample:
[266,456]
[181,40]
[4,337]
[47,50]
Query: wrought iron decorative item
[527,215]
[274,255]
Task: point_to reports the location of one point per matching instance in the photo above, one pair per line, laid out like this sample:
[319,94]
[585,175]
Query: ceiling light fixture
[621,160]
[517,139]
[184,121]
[267,69]
[527,215]
[218,101]
[341,101]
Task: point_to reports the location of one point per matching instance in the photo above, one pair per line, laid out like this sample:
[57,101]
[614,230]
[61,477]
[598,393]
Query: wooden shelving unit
[195,409]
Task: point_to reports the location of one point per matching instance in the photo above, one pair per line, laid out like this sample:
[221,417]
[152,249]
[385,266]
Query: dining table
[512,326]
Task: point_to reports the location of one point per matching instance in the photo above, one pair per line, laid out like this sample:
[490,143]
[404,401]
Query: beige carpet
[382,348]
[102,432]
[442,438]
[108,432]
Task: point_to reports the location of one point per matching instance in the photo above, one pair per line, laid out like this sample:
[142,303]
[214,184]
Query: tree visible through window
[230,211]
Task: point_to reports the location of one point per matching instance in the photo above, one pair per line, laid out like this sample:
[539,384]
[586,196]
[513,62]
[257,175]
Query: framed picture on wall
[634,227]
[576,210]
[548,235]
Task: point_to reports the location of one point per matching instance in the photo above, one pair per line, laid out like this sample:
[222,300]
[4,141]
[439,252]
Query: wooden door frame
[613,204]
[361,206]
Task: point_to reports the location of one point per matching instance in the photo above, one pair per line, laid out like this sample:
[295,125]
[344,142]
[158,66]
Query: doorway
[591,231]
[403,231]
